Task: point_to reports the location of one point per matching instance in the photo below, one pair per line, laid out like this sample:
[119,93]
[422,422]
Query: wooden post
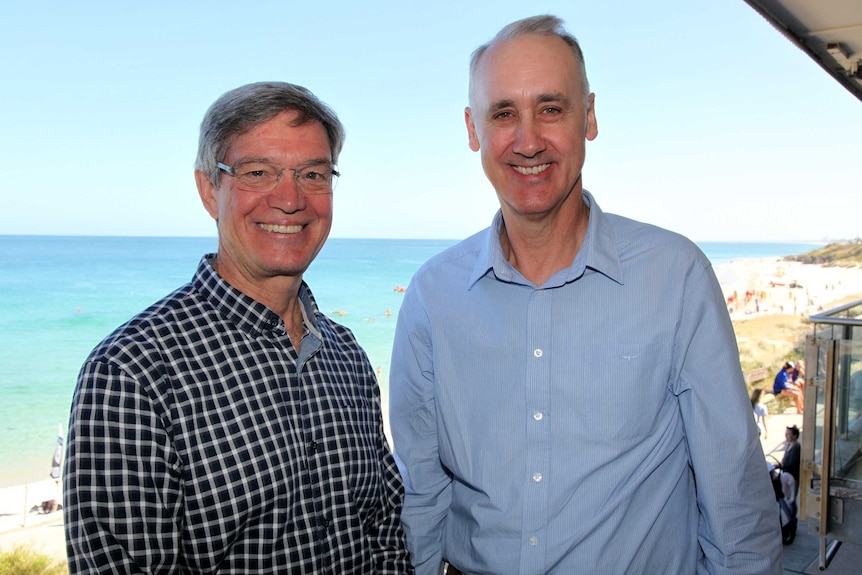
[24,517]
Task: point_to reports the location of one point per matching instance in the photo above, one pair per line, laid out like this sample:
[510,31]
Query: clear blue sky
[710,122]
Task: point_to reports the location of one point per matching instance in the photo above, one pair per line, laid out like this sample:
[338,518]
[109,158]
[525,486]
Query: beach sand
[22,526]
[769,282]
[768,278]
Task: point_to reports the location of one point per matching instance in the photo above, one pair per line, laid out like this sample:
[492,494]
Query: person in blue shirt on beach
[784,385]
[565,390]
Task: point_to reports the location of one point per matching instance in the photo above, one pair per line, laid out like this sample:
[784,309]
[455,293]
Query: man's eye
[551,110]
[256,172]
[503,115]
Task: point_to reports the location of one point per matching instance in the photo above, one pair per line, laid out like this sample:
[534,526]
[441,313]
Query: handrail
[828,316]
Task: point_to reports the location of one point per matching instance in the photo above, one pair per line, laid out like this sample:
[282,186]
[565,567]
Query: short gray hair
[544,25]
[243,109]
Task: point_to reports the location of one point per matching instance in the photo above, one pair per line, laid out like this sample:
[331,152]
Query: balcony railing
[831,470]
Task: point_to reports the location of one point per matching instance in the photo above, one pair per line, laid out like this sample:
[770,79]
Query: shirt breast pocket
[623,389]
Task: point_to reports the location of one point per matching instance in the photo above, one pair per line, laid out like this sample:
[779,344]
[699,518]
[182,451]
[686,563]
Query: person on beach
[761,412]
[783,385]
[792,458]
[551,413]
[797,376]
[232,427]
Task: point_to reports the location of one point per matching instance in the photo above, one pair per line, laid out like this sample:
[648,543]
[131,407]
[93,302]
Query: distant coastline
[798,241]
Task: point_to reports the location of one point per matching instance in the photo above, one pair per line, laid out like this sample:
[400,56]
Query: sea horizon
[819,241]
[63,294]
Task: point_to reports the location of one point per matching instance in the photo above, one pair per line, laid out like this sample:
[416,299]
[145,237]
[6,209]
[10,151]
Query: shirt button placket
[539,343]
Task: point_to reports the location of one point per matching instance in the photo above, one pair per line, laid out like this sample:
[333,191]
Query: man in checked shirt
[231,427]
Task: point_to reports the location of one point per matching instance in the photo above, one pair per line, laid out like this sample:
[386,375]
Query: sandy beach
[769,282]
[777,286]
[21,525]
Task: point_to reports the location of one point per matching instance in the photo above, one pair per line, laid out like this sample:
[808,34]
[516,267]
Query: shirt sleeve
[413,418]
[122,487]
[738,526]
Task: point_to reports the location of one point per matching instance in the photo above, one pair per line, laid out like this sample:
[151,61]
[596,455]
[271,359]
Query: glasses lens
[316,178]
[256,177]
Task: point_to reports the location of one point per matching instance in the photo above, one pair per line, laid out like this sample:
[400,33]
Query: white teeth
[280,229]
[531,171]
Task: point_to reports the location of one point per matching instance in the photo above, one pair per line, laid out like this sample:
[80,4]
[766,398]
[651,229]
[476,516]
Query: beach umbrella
[57,461]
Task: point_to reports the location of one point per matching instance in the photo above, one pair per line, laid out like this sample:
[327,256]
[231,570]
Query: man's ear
[206,190]
[592,127]
[471,129]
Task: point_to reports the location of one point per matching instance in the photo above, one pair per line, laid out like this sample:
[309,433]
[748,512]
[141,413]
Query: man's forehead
[537,68]
[522,50]
[284,123]
[280,138]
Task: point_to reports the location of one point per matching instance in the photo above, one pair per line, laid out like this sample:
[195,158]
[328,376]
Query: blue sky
[710,122]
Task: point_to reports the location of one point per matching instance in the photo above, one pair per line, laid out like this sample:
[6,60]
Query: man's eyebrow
[253,160]
[500,105]
[322,161]
[318,162]
[553,97]
[543,98]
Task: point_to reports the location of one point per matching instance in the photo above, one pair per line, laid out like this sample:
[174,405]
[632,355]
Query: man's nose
[528,137]
[287,195]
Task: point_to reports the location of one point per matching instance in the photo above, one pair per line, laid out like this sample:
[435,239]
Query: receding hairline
[545,25]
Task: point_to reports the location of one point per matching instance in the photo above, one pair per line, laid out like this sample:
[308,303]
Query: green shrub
[23,560]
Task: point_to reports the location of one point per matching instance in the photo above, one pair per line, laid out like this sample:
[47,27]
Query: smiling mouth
[277,229]
[531,171]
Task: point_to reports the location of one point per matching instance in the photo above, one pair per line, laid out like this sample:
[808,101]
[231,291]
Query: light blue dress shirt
[598,423]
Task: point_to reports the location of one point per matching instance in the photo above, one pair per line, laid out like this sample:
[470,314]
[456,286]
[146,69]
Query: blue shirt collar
[599,252]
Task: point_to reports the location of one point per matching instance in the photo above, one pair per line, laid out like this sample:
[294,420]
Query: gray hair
[243,109]
[540,25]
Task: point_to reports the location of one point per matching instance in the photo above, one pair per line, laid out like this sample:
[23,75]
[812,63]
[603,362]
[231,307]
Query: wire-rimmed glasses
[256,176]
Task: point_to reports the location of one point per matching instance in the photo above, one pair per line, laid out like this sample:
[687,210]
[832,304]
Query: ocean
[61,295]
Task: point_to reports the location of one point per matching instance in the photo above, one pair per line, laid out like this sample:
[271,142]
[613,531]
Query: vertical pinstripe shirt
[597,423]
[202,441]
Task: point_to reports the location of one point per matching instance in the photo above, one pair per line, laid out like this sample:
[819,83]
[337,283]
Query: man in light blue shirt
[566,395]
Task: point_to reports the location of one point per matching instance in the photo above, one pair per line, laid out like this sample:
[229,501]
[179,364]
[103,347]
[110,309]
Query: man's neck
[280,294]
[540,249]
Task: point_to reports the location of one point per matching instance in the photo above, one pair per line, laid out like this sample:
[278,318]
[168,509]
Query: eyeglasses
[253,176]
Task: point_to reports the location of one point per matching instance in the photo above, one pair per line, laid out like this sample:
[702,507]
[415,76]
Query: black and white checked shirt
[201,441]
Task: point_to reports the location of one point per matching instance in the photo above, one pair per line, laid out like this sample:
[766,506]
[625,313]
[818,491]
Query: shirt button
[538,416]
[534,540]
[537,477]
[313,447]
[537,352]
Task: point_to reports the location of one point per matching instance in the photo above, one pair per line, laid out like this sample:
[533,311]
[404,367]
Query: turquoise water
[60,296]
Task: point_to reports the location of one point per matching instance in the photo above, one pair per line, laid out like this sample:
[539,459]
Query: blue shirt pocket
[624,389]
